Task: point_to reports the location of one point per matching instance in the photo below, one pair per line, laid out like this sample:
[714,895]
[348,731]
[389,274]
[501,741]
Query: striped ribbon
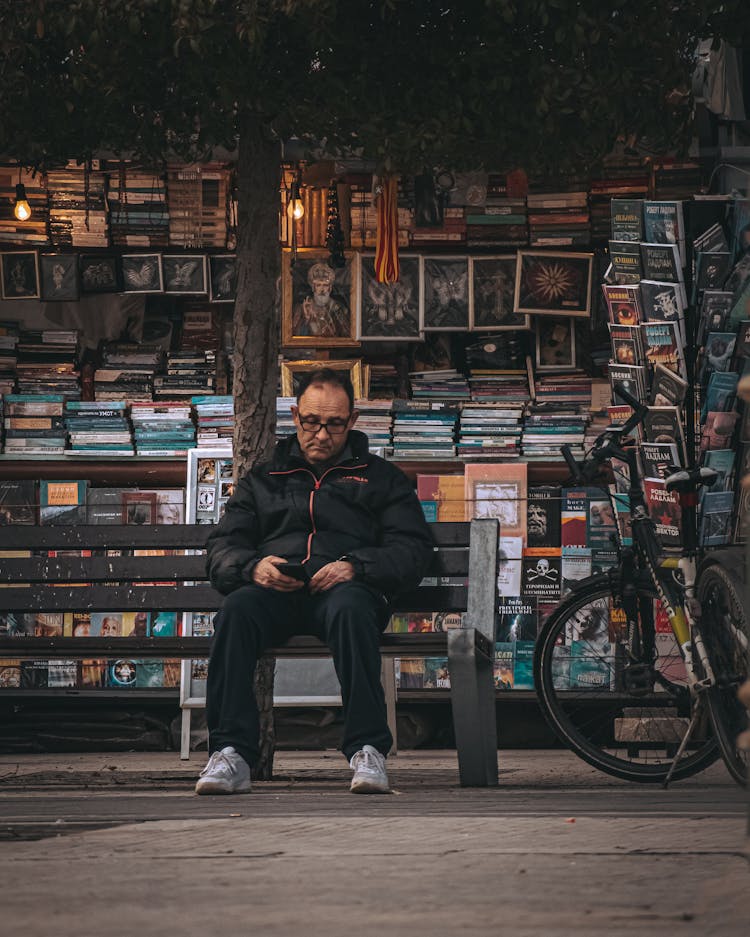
[386,250]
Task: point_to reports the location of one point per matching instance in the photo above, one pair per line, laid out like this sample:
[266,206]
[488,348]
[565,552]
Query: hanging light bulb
[295,209]
[22,209]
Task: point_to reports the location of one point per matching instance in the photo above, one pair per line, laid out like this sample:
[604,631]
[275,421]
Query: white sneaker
[227,772]
[369,772]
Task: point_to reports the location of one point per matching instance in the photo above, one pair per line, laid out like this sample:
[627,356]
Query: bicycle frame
[676,592]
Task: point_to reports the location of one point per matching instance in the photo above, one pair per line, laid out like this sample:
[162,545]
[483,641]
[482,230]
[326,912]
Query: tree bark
[256,342]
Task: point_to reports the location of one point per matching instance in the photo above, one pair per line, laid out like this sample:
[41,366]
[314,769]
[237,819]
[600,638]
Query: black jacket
[363,507]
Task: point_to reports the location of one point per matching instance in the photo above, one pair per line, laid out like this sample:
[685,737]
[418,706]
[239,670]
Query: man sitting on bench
[313,542]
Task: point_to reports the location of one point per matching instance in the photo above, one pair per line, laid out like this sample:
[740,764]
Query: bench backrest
[177,583]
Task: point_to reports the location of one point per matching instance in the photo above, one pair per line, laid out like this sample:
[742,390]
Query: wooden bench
[131,583]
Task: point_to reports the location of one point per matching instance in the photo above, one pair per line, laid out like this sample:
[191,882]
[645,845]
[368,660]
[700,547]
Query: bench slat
[155,536]
[446,562]
[430,644]
[184,598]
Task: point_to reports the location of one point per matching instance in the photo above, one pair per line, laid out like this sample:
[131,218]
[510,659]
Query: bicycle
[605,682]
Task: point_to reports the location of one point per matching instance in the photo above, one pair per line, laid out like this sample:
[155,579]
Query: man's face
[321,289]
[323,403]
[536,520]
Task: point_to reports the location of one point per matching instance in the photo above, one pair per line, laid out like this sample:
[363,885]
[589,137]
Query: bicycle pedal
[638,679]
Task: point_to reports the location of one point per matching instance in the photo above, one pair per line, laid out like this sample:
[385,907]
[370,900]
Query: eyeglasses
[333,427]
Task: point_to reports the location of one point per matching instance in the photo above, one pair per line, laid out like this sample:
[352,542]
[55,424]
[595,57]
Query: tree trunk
[256,342]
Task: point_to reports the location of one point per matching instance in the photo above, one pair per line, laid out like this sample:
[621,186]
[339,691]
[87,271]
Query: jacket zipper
[317,484]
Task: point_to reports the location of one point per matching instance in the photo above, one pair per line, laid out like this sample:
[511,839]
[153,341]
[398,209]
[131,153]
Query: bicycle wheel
[623,718]
[724,629]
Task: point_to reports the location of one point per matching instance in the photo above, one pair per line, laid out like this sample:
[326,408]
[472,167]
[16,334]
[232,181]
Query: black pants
[349,618]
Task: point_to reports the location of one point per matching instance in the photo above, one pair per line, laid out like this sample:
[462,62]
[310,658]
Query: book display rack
[514,315]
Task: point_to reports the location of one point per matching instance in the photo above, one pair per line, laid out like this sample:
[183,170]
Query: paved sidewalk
[556,849]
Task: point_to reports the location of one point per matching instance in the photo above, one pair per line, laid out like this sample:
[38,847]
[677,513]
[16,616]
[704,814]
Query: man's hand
[267,575]
[331,575]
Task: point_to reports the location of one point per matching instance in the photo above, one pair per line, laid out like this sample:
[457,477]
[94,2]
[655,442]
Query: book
[517,619]
[720,393]
[543,512]
[631,377]
[718,351]
[626,344]
[668,389]
[575,514]
[664,424]
[711,269]
[541,576]
[576,566]
[664,223]
[718,430]
[659,459]
[62,502]
[139,507]
[661,262]
[665,511]
[716,518]
[510,552]
[623,303]
[625,257]
[503,665]
[591,669]
[626,219]
[523,666]
[498,489]
[662,344]
[18,501]
[722,462]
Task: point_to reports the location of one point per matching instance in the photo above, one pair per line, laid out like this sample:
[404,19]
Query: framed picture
[553,284]
[184,273]
[20,275]
[222,278]
[445,287]
[389,311]
[291,371]
[59,276]
[555,344]
[141,273]
[492,282]
[99,273]
[318,301]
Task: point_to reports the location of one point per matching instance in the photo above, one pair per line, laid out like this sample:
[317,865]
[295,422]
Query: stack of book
[452,231]
[502,222]
[549,426]
[33,231]
[46,363]
[139,215]
[571,387]
[424,429]
[558,219]
[376,421]
[622,178]
[495,387]
[9,333]
[188,372]
[448,384]
[199,197]
[284,422]
[382,381]
[214,416]
[165,428]
[490,431]
[34,424]
[98,429]
[127,371]
[77,207]
[673,178]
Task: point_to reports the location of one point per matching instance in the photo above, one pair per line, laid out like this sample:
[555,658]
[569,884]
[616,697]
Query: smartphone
[295,570]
